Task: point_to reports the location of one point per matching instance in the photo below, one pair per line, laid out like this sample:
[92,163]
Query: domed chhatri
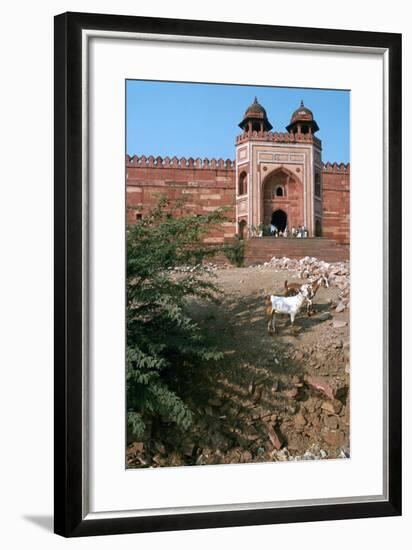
[302,121]
[255,119]
[255,107]
[302,113]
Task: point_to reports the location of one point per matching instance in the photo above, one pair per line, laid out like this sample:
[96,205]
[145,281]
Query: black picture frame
[69,519]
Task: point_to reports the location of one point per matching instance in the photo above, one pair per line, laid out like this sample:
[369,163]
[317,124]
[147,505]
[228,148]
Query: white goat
[289,305]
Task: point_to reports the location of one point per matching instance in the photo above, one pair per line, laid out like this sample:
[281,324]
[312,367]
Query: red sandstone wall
[336,202]
[206,185]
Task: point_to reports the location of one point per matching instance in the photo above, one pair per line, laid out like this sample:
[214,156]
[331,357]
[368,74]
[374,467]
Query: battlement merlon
[136,161]
[279,137]
[335,168]
[211,164]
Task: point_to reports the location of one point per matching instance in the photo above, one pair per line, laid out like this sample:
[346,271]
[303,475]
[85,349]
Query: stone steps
[260,250]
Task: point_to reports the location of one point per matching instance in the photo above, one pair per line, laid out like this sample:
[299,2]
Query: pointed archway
[282,190]
[279,220]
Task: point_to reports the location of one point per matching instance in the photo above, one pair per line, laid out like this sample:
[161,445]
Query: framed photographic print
[227,274]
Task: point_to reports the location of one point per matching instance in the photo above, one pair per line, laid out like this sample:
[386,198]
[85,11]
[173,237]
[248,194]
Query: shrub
[162,338]
[235,252]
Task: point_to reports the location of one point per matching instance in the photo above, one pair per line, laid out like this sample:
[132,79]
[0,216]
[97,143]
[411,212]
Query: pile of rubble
[337,273]
[287,418]
[199,268]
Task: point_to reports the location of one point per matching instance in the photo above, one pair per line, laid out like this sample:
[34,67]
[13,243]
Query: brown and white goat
[289,305]
[291,289]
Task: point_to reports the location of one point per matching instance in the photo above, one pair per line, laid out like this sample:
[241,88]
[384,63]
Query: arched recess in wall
[318,186]
[282,189]
[242,229]
[279,178]
[242,184]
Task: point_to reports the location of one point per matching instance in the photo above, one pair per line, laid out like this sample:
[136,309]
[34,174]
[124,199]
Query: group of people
[300,232]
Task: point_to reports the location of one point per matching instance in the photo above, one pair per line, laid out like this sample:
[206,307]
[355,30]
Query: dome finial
[255,100]
[301,103]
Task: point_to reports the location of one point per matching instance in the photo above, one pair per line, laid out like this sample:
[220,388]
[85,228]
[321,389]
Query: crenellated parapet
[183,163]
[279,137]
[335,168]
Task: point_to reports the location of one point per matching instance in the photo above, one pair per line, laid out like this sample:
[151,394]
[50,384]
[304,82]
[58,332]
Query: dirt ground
[273,397]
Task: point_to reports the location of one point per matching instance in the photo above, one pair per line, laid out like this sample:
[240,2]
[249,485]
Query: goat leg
[271,324]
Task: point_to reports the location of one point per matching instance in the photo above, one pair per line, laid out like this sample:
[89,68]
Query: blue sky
[201,120]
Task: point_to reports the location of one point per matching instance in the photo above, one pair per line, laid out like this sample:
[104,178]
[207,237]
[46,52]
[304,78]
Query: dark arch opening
[279,191]
[242,229]
[317,185]
[242,187]
[318,228]
[279,220]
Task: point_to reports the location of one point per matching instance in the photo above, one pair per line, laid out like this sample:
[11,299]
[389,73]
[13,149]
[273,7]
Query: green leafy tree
[162,338]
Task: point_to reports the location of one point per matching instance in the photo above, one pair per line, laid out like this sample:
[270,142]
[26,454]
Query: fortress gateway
[276,177]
